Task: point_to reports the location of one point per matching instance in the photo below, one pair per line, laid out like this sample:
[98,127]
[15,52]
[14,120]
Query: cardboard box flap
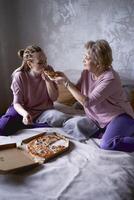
[12,159]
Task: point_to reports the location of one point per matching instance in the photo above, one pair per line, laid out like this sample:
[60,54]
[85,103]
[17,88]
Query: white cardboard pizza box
[14,158]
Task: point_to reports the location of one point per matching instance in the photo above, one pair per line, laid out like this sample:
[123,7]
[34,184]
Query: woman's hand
[61,79]
[45,77]
[27,119]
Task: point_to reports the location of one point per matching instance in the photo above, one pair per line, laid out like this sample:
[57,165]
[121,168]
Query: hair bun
[89,44]
[21,53]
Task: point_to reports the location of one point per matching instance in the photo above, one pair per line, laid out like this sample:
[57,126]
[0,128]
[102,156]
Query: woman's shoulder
[110,74]
[18,75]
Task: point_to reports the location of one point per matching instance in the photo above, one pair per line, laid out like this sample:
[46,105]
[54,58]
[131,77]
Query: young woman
[33,92]
[100,92]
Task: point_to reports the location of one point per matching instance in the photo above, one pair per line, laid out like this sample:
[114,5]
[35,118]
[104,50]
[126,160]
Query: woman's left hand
[45,77]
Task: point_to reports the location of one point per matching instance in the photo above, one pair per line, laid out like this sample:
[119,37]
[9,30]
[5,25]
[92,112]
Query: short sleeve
[17,88]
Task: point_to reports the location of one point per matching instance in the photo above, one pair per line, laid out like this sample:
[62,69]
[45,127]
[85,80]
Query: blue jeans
[11,122]
[119,134]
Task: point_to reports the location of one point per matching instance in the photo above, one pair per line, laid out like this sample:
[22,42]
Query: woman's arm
[19,108]
[52,90]
[51,87]
[75,92]
[27,119]
[18,97]
[72,88]
[102,91]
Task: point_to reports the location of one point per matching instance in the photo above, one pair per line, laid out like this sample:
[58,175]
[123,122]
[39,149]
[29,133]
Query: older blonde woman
[100,92]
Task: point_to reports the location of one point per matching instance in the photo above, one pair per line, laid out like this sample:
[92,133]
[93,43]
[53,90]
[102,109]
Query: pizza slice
[52,74]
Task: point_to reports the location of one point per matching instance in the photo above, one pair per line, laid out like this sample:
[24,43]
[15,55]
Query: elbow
[86,102]
[89,102]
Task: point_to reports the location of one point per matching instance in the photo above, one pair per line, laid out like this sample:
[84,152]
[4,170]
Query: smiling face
[89,64]
[38,61]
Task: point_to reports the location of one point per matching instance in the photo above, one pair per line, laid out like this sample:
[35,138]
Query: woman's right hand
[27,119]
[61,79]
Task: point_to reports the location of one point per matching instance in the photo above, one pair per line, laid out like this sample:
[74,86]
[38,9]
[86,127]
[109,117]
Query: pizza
[52,74]
[47,146]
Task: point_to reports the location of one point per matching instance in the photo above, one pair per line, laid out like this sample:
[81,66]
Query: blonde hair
[26,55]
[101,53]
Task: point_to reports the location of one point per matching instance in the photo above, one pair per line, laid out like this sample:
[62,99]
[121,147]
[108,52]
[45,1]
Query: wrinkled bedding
[85,172]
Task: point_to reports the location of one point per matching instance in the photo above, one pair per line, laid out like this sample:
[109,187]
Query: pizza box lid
[15,158]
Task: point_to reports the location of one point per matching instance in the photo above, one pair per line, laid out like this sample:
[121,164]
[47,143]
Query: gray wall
[61,27]
[8,47]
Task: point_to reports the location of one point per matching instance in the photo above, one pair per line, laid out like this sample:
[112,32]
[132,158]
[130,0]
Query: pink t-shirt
[105,97]
[31,92]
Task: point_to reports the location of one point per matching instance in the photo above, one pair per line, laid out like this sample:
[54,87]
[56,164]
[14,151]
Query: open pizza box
[18,156]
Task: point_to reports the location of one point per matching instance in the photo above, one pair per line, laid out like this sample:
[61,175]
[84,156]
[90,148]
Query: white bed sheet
[84,173]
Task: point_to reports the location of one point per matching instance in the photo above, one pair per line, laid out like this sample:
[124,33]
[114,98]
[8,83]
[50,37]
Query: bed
[85,172]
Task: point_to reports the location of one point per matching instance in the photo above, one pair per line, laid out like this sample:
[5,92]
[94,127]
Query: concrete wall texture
[61,28]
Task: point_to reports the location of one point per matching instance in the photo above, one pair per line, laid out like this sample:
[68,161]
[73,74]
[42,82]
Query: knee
[53,117]
[80,127]
[105,146]
[111,144]
[76,122]
[108,145]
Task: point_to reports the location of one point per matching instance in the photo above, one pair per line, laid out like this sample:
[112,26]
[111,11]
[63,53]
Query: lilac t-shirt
[105,97]
[31,92]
